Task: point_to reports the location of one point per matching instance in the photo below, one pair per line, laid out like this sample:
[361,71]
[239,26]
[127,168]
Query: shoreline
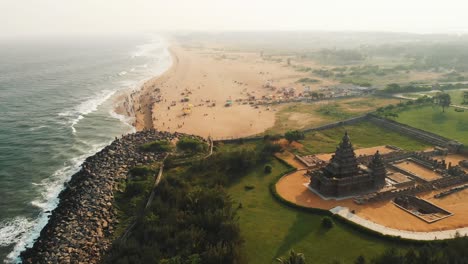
[128,102]
[190,96]
[80,229]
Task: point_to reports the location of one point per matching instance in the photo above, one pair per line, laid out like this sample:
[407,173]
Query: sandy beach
[207,79]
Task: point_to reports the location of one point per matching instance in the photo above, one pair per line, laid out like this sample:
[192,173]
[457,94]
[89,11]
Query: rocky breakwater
[80,228]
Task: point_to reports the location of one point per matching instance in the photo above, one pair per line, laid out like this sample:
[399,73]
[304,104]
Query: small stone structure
[421,208]
[310,161]
[344,176]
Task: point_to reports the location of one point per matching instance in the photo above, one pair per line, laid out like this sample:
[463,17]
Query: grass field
[451,124]
[456,96]
[306,115]
[271,229]
[362,135]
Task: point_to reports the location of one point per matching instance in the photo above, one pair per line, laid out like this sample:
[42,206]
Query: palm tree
[293,258]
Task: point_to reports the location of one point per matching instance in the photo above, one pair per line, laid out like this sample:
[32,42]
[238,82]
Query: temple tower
[377,170]
[344,163]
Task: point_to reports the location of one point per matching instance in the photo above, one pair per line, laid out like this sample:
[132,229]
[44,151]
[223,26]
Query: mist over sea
[56,101]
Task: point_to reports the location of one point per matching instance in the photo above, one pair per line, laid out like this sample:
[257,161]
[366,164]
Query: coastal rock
[80,228]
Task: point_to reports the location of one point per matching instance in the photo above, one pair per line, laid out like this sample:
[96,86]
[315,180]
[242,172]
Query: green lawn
[306,115]
[450,124]
[362,135]
[271,229]
[456,96]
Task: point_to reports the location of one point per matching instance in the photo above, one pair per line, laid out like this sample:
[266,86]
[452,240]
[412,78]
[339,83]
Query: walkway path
[436,235]
[210,140]
[156,182]
[459,106]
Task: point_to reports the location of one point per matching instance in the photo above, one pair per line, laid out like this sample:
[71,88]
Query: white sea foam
[124,119]
[13,229]
[22,231]
[86,107]
[36,128]
[122,73]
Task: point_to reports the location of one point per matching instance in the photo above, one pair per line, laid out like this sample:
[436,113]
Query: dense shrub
[191,145]
[187,223]
[141,171]
[327,222]
[157,146]
[294,135]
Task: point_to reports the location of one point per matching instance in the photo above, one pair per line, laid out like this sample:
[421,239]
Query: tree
[267,168]
[294,135]
[293,258]
[327,222]
[465,97]
[360,260]
[314,95]
[442,99]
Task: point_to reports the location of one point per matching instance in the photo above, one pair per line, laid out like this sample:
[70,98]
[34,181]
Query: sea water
[56,109]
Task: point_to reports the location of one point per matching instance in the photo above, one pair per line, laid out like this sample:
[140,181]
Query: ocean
[56,109]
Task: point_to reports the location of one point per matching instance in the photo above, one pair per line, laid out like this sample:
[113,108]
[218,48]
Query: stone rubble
[80,228]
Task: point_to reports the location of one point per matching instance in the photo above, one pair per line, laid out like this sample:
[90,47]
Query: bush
[327,222]
[140,171]
[267,168]
[191,145]
[157,146]
[274,137]
[294,135]
[268,149]
[249,187]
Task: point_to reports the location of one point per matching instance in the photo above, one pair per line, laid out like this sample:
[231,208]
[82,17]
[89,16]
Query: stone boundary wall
[420,134]
[350,121]
[425,136]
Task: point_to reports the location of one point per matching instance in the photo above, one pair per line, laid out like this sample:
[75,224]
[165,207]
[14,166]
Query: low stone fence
[420,134]
[350,121]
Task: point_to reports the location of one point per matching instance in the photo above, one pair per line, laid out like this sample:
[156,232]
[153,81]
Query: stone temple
[344,176]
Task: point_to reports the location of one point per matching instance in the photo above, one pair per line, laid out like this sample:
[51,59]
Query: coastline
[80,229]
[128,102]
[207,80]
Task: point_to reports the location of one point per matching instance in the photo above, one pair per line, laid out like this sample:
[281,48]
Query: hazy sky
[40,17]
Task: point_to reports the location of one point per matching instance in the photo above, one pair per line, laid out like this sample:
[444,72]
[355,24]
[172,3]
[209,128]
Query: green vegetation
[306,115]
[294,135]
[451,124]
[292,258]
[327,222]
[270,229]
[308,80]
[192,145]
[220,209]
[191,220]
[130,200]
[393,88]
[157,146]
[443,100]
[453,251]
[363,135]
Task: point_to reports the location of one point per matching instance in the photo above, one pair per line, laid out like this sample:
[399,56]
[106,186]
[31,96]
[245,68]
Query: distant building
[344,176]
